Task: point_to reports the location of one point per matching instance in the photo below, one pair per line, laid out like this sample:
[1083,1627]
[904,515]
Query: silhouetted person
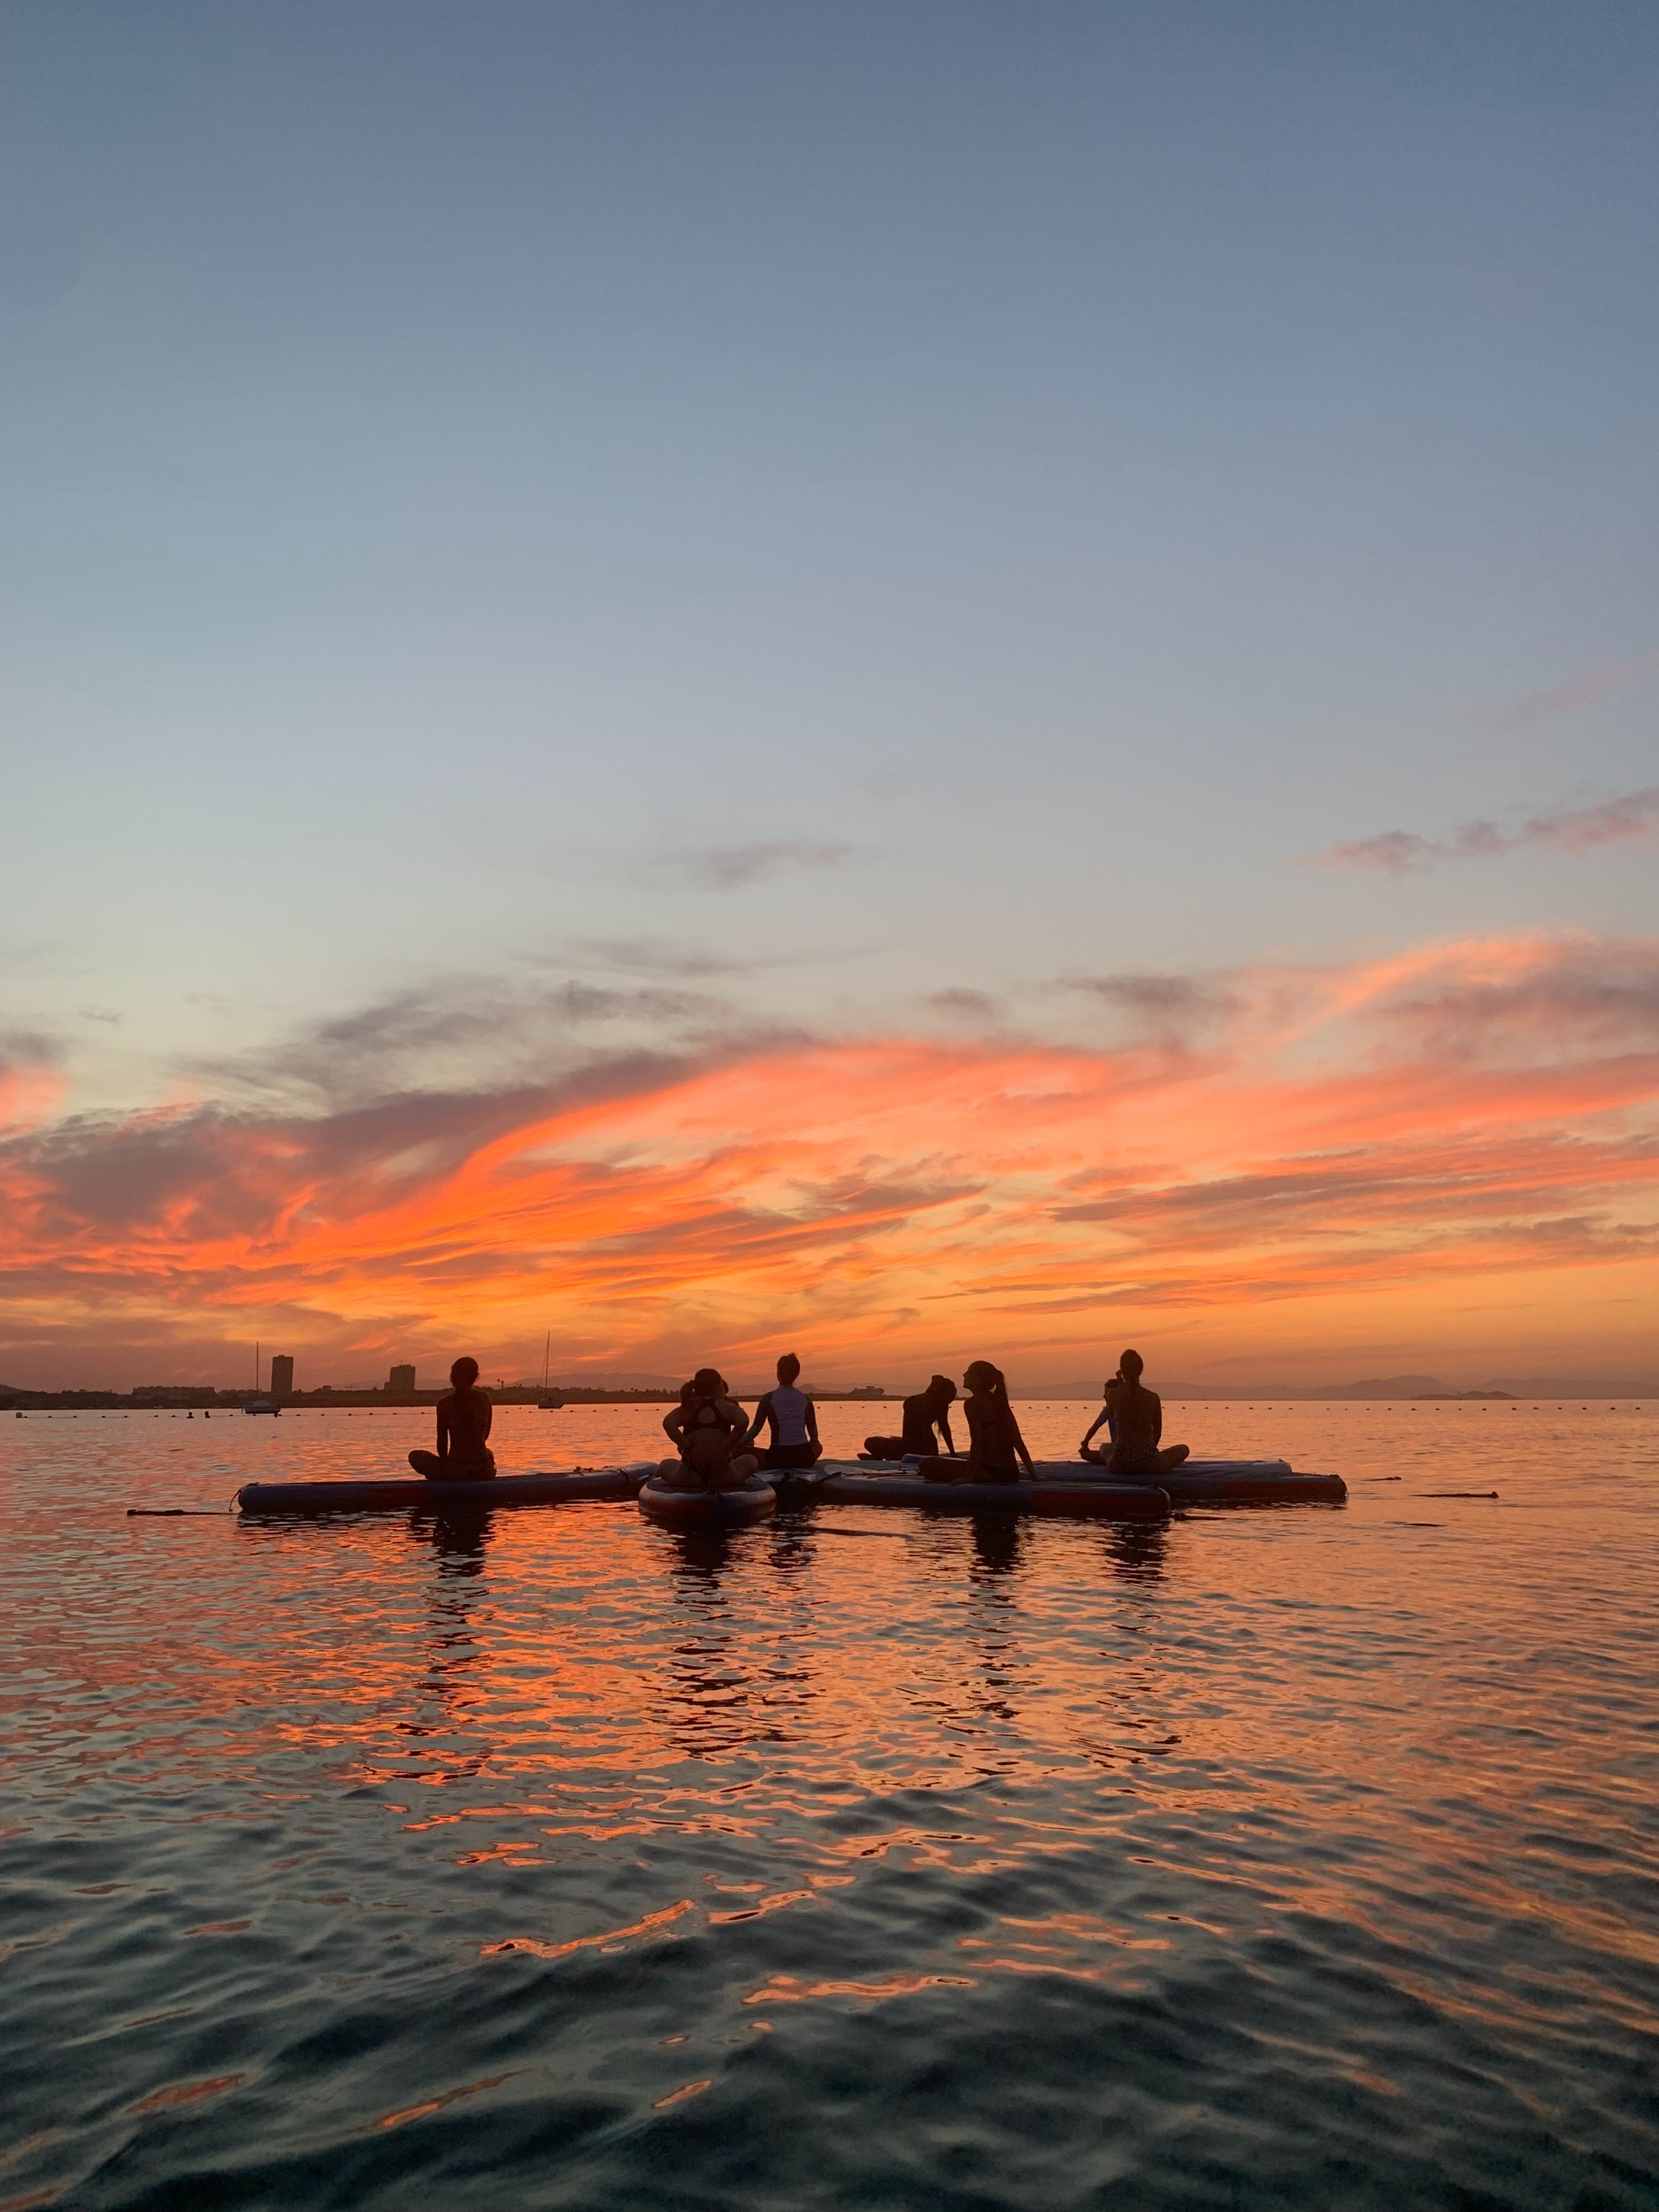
[1136,1416]
[464,1417]
[1096,1455]
[712,1431]
[794,1420]
[927,1411]
[997,1447]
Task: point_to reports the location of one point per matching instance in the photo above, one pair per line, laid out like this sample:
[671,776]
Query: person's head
[707,1382]
[788,1368]
[463,1374]
[985,1380]
[1129,1366]
[941,1390]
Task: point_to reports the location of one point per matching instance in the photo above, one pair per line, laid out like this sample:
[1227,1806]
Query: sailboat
[257,1404]
[549,1402]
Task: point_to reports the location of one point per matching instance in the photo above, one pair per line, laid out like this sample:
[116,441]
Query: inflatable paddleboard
[1216,1481]
[1077,1501]
[1194,1482]
[756,1501]
[262,1500]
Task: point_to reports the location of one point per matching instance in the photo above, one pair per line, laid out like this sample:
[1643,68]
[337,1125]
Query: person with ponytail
[1136,1416]
[996,1450]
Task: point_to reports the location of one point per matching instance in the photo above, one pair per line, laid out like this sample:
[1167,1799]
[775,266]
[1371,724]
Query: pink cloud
[1482,1107]
[1576,830]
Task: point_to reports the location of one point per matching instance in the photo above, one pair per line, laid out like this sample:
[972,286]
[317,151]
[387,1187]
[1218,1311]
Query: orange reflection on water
[787,1989]
[438,2104]
[613,1938]
[185,2092]
[679,2096]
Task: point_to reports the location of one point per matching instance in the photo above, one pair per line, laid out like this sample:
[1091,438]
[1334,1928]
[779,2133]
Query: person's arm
[763,1413]
[1157,1418]
[443,1427]
[1099,1421]
[486,1414]
[812,1421]
[1019,1446]
[736,1419]
[944,1430]
[673,1422]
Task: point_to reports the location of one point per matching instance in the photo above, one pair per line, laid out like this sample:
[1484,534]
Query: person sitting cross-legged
[1136,1418]
[463,1420]
[712,1430]
[793,1418]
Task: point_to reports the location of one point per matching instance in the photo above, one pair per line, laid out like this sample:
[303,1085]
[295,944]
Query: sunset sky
[910,681]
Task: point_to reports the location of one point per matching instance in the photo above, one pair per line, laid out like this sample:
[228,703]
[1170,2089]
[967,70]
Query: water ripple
[1265,1858]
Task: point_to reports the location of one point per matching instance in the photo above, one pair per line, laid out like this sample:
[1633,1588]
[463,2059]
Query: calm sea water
[1296,1857]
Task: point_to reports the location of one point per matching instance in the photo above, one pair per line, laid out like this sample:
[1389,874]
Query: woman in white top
[794,1419]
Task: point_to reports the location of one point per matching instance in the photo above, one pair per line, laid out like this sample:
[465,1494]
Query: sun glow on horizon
[1393,1152]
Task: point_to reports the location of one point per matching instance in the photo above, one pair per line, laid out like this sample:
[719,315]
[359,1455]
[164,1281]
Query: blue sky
[895,500]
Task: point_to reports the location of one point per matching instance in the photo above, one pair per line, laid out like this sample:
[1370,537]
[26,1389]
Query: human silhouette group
[717,1445]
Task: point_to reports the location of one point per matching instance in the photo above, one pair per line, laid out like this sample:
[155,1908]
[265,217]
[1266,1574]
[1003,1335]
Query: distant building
[281,1375]
[868,1390]
[401,1382]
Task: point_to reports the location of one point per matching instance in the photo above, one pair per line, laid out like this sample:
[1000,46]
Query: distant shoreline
[185,1398]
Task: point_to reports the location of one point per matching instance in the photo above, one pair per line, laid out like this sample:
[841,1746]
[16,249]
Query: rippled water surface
[1278,1857]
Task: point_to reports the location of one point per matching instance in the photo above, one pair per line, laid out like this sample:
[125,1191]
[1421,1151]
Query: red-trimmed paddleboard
[1075,1501]
[263,1501]
[756,1501]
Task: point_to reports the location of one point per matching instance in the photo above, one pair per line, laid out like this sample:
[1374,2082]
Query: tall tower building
[401,1382]
[281,1375]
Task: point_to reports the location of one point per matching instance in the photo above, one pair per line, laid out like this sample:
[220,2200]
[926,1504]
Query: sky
[912,681]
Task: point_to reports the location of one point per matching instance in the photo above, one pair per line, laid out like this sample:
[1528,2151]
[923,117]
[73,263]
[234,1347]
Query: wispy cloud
[1168,1008]
[735,867]
[1488,1109]
[1578,829]
[963,1005]
[464,1034]
[653,955]
[1601,683]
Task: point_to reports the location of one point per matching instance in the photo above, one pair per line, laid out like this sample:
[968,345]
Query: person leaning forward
[927,1411]
[464,1417]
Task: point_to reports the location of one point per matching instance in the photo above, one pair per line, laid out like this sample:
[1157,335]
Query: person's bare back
[463,1420]
[1137,1419]
[1137,1415]
[465,1414]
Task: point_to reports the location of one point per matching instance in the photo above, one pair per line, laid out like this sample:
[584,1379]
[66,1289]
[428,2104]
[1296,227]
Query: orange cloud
[1379,1137]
